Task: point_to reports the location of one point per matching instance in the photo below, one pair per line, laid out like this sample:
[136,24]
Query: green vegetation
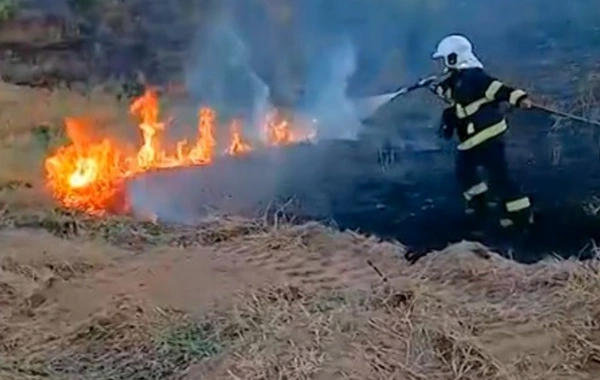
[8,9]
[190,341]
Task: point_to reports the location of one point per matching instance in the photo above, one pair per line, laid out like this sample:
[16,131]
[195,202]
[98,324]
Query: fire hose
[567,115]
[366,107]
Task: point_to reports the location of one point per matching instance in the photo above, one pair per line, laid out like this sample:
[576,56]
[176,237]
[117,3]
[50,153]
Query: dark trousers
[492,157]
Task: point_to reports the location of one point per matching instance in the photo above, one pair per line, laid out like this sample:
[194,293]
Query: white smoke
[261,103]
[325,100]
[220,76]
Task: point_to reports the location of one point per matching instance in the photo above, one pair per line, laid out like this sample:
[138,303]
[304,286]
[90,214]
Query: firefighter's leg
[517,206]
[474,189]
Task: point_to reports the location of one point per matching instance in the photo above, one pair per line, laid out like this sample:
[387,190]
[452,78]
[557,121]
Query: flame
[205,145]
[89,173]
[237,146]
[86,172]
[278,131]
[146,108]
[86,179]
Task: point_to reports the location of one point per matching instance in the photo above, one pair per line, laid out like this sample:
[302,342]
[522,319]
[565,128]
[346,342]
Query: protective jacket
[475,114]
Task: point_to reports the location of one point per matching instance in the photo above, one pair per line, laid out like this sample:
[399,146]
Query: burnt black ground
[412,198]
[427,215]
[422,208]
[417,201]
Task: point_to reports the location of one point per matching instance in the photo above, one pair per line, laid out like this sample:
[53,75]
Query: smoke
[220,76]
[311,57]
[325,99]
[186,195]
[243,64]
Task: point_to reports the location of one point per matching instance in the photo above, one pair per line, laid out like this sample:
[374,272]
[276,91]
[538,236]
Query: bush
[8,9]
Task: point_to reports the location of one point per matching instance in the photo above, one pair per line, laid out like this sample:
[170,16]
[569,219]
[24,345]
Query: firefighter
[475,115]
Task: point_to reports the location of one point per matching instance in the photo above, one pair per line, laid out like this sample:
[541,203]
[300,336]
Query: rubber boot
[521,220]
[477,213]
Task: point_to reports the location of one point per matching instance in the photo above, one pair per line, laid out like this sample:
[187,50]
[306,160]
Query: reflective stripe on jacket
[475,99]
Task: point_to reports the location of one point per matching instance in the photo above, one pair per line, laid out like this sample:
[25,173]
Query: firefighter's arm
[442,89]
[496,90]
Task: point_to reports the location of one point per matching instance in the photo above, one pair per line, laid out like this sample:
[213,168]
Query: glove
[448,124]
[426,82]
[445,132]
[525,103]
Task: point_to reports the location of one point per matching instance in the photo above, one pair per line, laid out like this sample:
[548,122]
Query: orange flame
[146,108]
[237,146]
[205,145]
[278,131]
[89,173]
[86,179]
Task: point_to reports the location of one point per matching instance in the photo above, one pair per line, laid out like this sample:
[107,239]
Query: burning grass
[85,164]
[89,173]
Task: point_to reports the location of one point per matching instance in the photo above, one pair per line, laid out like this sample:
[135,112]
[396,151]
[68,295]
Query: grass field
[111,298]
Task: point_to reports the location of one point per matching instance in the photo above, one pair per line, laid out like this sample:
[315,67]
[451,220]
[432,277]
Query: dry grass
[127,341]
[463,313]
[31,124]
[126,232]
[27,108]
[490,320]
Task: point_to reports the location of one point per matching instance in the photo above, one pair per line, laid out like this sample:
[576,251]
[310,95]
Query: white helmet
[457,52]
